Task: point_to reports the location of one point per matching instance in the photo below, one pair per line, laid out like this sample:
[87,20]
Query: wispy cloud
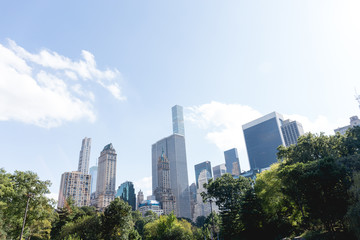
[223,123]
[45,89]
[145,185]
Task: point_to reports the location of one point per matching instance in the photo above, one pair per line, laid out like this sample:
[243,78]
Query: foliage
[353,213]
[228,193]
[168,227]
[116,221]
[15,190]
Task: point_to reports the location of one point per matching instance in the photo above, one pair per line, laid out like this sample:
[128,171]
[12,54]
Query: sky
[112,70]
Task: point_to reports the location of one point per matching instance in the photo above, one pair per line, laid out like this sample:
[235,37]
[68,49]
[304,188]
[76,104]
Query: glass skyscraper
[262,137]
[178,120]
[219,170]
[93,173]
[174,148]
[232,162]
[200,167]
[126,192]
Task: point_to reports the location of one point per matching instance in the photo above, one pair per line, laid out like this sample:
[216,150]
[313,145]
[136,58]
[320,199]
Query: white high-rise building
[84,157]
[75,185]
[106,177]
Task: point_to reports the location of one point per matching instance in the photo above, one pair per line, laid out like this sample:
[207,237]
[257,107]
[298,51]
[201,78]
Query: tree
[353,214]
[15,189]
[229,193]
[278,213]
[116,221]
[168,227]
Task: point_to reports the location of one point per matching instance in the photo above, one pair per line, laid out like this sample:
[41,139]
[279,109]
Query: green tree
[353,214]
[117,221]
[168,227]
[229,193]
[15,189]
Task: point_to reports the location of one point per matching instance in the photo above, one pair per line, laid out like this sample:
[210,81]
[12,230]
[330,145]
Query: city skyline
[114,78]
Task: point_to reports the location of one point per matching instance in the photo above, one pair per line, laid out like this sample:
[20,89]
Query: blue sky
[112,70]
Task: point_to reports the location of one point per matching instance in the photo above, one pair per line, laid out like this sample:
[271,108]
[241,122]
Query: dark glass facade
[232,162]
[126,192]
[262,137]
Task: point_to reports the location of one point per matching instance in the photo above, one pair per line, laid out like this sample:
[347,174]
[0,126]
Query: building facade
[106,178]
[178,120]
[175,150]
[163,192]
[291,131]
[150,205]
[219,170]
[126,192]
[354,121]
[75,185]
[93,173]
[139,199]
[199,168]
[262,137]
[232,162]
[84,157]
[203,208]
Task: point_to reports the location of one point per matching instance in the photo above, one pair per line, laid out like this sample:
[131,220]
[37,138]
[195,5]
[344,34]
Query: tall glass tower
[262,137]
[174,148]
[178,120]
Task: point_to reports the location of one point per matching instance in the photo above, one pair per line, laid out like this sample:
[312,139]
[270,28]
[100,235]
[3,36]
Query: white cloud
[223,124]
[45,89]
[145,185]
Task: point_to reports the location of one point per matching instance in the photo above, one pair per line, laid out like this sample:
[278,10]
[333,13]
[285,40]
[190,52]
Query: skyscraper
[77,186]
[163,192]
[199,168]
[175,150]
[291,131]
[232,162]
[201,208]
[219,170]
[262,137]
[93,173]
[105,184]
[84,157]
[139,199]
[126,192]
[178,120]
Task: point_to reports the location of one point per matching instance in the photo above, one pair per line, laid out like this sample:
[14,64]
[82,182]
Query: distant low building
[354,121]
[150,205]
